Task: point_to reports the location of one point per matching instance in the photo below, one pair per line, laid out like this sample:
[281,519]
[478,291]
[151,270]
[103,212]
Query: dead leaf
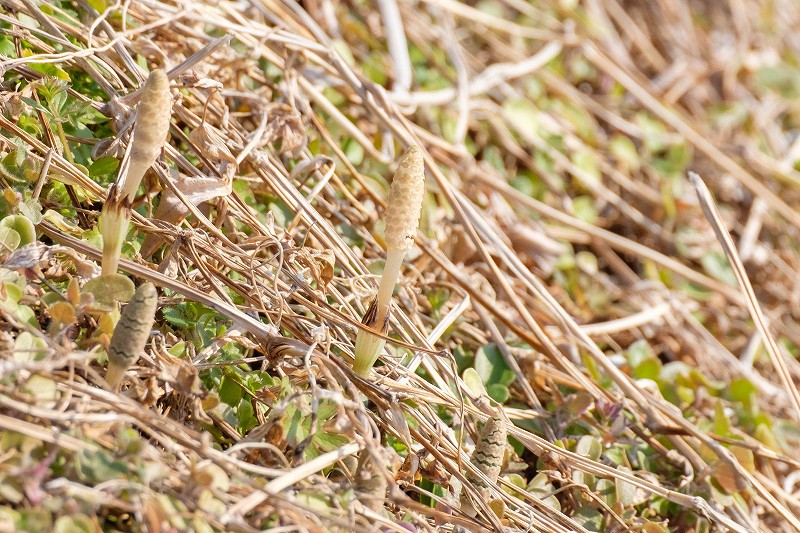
[12,104]
[192,79]
[73,293]
[432,470]
[409,471]
[727,477]
[285,124]
[307,166]
[85,268]
[181,375]
[212,144]
[27,257]
[197,189]
[62,314]
[118,111]
[320,265]
[110,147]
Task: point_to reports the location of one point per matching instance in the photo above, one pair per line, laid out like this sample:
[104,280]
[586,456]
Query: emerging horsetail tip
[405,201]
[150,131]
[149,134]
[487,458]
[402,219]
[131,333]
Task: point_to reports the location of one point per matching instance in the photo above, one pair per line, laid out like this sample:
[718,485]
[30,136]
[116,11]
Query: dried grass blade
[712,214]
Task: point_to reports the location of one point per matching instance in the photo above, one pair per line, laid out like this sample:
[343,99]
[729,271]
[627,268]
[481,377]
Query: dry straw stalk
[402,219]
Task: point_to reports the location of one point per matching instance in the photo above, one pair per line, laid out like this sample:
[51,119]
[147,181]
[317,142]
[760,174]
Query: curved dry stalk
[713,216]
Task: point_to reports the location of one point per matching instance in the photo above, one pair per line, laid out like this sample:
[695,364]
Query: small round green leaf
[9,239]
[110,288]
[21,225]
[474,382]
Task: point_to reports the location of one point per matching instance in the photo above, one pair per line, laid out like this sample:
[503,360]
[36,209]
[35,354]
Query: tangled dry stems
[280,80]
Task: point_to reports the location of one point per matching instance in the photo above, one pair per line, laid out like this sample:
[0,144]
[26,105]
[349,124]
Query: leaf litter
[564,273]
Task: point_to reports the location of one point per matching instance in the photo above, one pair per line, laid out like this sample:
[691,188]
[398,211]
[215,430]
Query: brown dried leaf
[212,144]
[110,147]
[62,314]
[73,293]
[192,79]
[118,112]
[12,104]
[197,189]
[409,470]
[285,124]
[320,264]
[370,483]
[433,471]
[28,256]
[181,375]
[84,267]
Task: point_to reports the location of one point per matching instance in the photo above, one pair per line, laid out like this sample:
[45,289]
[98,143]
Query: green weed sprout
[149,134]
[131,333]
[402,219]
[487,458]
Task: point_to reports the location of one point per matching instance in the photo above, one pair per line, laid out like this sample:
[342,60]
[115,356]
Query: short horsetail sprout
[149,134]
[402,218]
[487,458]
[131,333]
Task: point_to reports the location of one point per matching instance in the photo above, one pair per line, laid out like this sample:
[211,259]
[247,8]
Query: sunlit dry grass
[564,271]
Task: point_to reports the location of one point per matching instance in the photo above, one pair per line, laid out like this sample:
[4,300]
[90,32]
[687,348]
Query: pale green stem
[368,345]
[67,153]
[391,271]
[114,222]
[133,178]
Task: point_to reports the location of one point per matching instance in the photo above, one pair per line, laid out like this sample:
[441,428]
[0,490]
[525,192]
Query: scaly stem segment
[488,459]
[402,218]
